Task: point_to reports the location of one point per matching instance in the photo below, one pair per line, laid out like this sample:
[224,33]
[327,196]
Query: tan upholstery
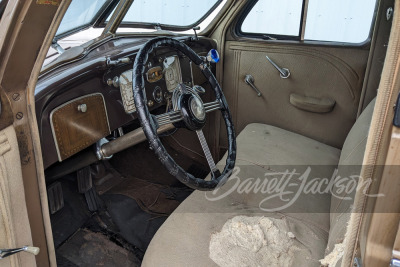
[350,163]
[316,71]
[183,240]
[15,230]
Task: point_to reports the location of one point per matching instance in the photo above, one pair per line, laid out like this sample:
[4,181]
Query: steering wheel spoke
[206,151]
[212,106]
[169,117]
[176,116]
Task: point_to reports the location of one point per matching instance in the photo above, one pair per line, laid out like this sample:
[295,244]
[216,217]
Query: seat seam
[354,149]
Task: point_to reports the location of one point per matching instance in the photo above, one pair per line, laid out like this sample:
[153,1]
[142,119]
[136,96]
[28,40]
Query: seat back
[350,164]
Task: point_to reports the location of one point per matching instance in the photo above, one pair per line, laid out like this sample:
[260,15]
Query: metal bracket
[99,153]
[55,45]
[195,38]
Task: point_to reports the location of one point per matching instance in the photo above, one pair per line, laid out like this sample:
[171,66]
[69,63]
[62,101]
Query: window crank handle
[250,81]
[284,73]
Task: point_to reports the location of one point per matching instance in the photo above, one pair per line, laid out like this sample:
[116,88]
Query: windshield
[80,14]
[179,13]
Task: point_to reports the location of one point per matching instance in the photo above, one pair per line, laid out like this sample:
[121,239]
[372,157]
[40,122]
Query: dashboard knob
[109,82]
[82,108]
[116,82]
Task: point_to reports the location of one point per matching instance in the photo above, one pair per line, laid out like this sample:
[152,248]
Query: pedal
[93,200]
[84,177]
[55,197]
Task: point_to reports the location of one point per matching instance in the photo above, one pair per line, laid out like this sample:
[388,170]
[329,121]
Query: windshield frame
[102,22]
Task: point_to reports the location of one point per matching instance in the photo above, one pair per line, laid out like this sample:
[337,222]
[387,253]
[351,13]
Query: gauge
[154,74]
[125,86]
[157,94]
[173,74]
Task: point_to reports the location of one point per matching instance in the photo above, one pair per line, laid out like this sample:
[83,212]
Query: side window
[339,20]
[324,20]
[274,18]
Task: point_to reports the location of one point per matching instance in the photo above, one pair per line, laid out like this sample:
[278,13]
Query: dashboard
[84,101]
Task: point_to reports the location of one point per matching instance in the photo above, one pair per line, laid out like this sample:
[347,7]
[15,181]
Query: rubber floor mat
[138,208]
[74,214]
[152,198]
[86,248]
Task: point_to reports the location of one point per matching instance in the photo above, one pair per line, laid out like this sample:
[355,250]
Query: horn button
[193,112]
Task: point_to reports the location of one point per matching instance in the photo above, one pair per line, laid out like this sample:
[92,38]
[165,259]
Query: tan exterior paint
[24,32]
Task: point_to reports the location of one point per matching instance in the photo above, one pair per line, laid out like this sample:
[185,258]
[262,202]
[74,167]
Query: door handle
[250,81]
[284,72]
[8,252]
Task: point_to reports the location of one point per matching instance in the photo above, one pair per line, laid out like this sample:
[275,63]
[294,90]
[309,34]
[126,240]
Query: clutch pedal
[55,197]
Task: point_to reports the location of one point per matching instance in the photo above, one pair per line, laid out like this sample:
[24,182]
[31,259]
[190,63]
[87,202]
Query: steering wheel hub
[197,108]
[193,111]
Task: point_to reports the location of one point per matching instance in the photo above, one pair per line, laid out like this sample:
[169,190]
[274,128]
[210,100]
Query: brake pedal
[55,197]
[84,177]
[93,200]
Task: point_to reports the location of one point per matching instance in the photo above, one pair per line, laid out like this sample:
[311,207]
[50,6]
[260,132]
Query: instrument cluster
[163,75]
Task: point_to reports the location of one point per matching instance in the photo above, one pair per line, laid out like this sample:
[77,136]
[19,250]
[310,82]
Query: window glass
[167,12]
[3,5]
[79,13]
[274,17]
[339,20]
[327,20]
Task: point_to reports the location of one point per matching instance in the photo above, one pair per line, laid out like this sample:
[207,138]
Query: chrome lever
[250,81]
[8,252]
[284,72]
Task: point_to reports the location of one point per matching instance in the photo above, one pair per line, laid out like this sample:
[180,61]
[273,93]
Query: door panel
[15,231]
[320,72]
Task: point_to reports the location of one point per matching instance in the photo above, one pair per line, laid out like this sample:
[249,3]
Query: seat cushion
[264,145]
[270,160]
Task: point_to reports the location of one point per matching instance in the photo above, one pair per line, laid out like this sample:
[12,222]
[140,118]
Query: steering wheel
[191,114]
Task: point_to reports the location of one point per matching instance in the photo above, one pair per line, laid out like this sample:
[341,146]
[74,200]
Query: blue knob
[213,56]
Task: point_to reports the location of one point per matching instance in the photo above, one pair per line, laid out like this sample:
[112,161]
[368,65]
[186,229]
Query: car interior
[157,143]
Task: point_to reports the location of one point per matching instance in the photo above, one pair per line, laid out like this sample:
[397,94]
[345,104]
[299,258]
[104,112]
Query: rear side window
[274,17]
[317,20]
